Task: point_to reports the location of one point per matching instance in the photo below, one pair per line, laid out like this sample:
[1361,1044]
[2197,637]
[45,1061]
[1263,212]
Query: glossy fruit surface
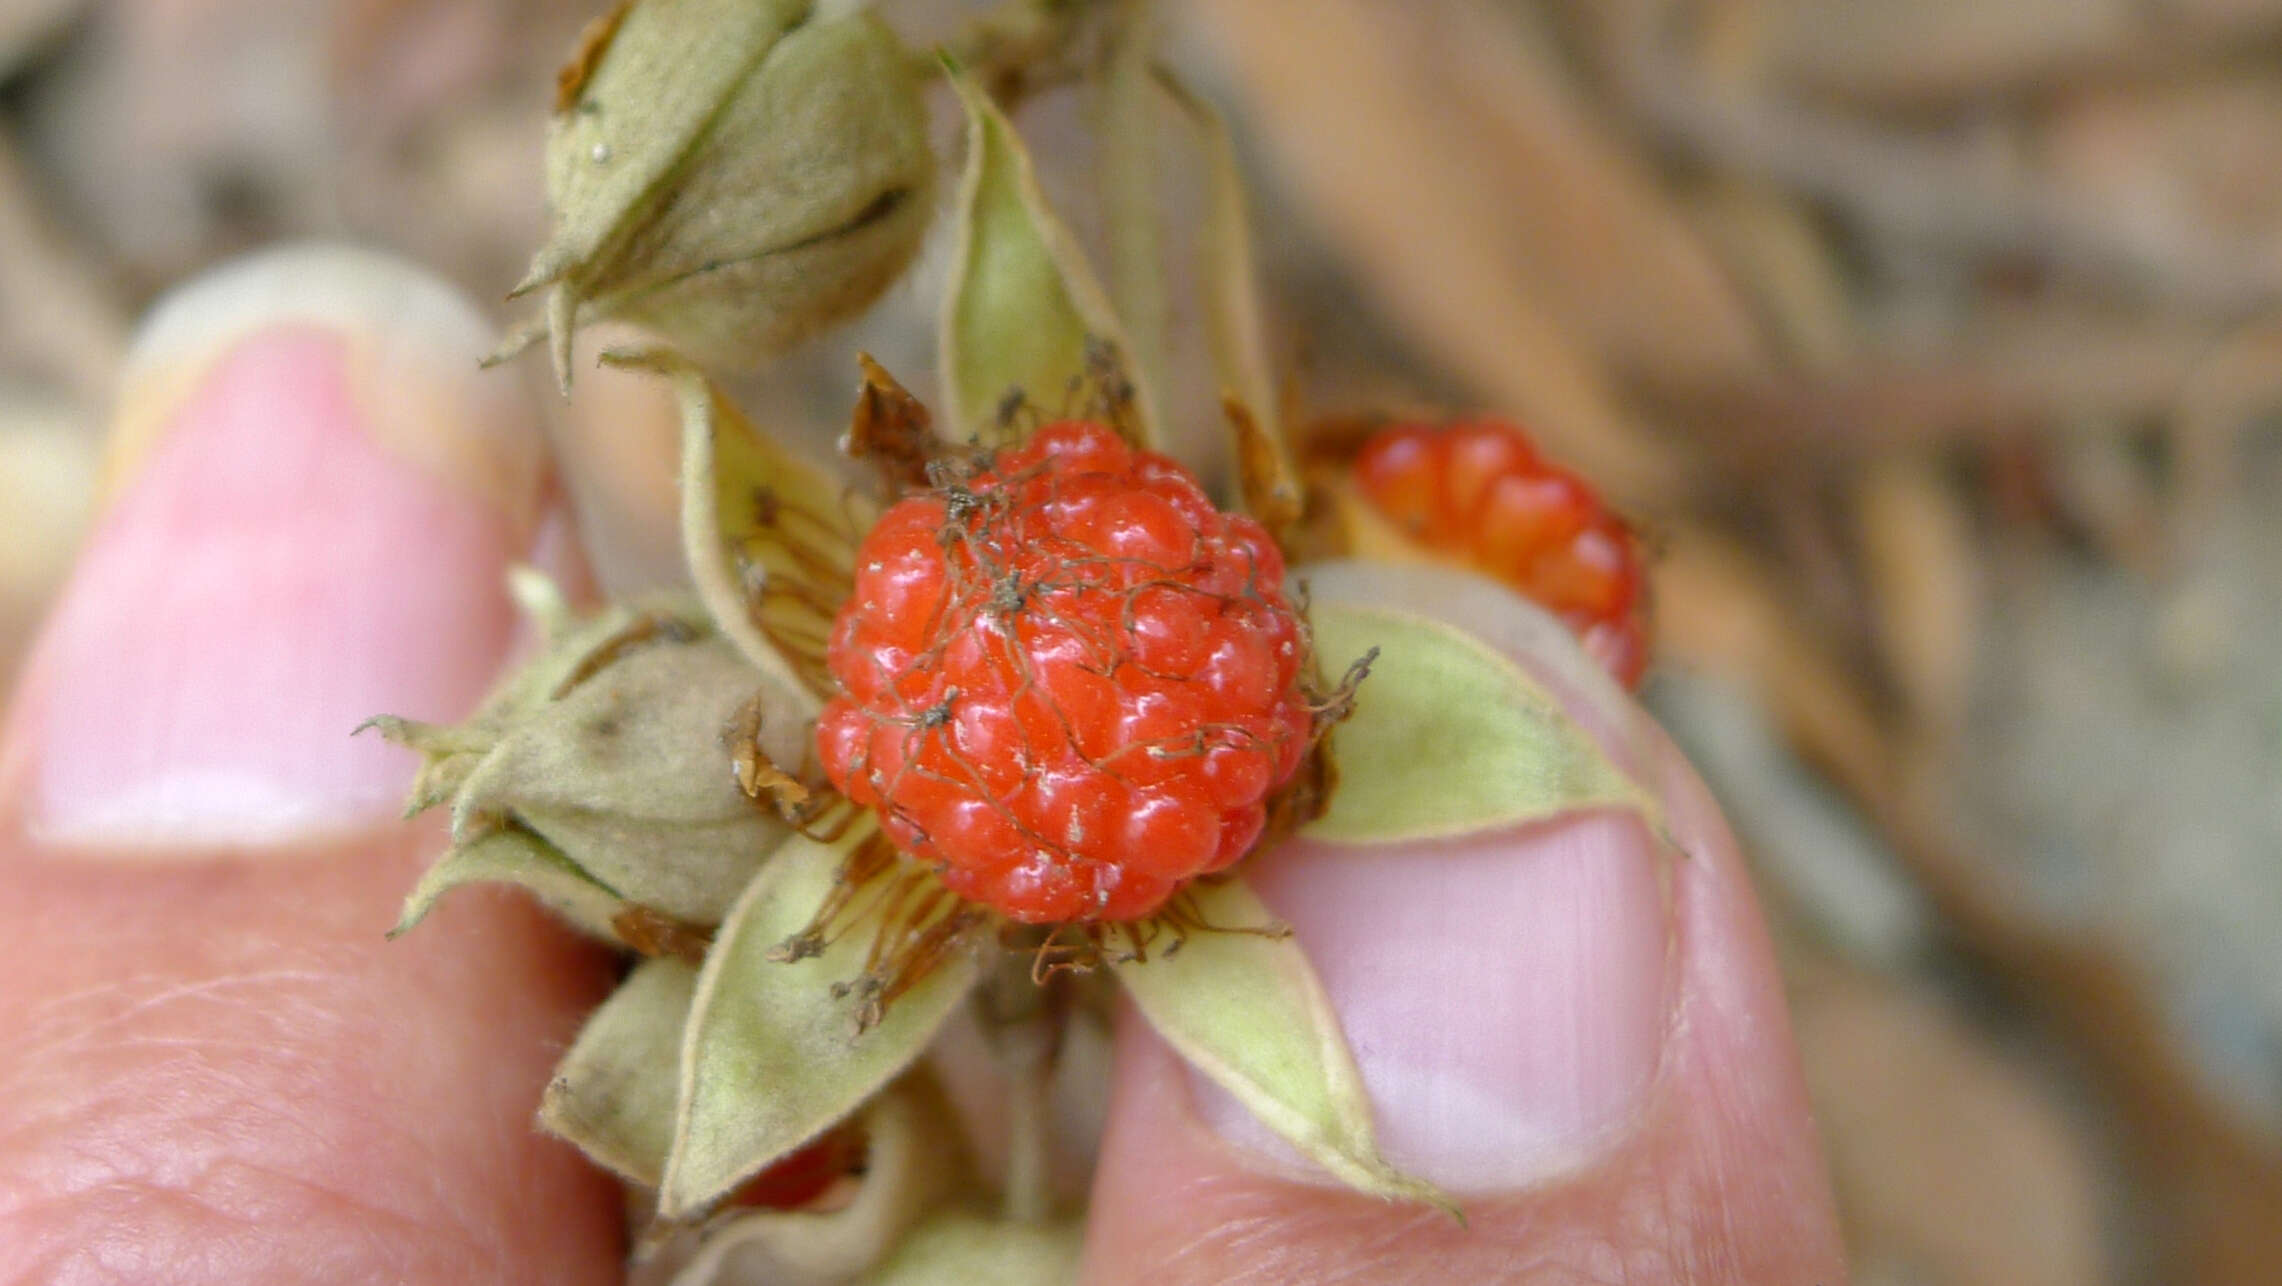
[1069,681]
[1478,490]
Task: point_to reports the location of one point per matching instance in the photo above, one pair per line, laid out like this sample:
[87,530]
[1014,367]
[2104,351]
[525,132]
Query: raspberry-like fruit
[1479,491]
[1068,680]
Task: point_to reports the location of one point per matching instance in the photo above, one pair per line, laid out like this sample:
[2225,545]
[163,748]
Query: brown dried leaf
[891,429]
[593,41]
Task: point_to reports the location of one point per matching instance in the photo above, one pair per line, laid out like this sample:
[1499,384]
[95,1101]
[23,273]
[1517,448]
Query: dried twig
[1910,187]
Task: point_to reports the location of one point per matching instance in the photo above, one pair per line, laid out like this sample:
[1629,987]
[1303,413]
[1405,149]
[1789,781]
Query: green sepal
[612,1096]
[569,646]
[733,174]
[1235,323]
[956,1249]
[1451,737]
[595,773]
[773,1056]
[770,536]
[626,774]
[1129,181]
[517,857]
[1024,318]
[448,753]
[913,1162]
[1242,1004]
[657,84]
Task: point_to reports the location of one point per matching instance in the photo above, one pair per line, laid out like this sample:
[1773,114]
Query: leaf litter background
[1935,343]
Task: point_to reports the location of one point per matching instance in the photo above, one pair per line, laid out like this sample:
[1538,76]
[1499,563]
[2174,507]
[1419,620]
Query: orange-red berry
[1478,490]
[1069,681]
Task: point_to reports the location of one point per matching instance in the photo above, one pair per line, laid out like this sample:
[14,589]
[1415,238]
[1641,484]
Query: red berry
[1070,681]
[1479,491]
[806,1174]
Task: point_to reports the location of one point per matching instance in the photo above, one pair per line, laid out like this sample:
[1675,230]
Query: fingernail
[1508,996]
[312,495]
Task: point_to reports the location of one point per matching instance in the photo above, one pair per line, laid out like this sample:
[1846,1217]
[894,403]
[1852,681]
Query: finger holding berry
[1037,706]
[1582,1040]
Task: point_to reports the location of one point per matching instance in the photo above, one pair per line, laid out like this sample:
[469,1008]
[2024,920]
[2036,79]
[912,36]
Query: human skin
[213,1067]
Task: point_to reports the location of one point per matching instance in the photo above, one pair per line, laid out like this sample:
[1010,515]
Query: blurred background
[1934,344]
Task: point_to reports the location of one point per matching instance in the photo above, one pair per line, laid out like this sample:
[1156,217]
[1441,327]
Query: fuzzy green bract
[520,858]
[914,1164]
[1023,316]
[1244,1007]
[769,535]
[623,772]
[954,1249]
[773,1055]
[592,775]
[1450,737]
[1232,314]
[733,174]
[613,1094]
[679,84]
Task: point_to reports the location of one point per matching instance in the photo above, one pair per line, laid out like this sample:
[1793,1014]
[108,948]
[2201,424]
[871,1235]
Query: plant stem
[1029,1063]
[1127,104]
[1023,1021]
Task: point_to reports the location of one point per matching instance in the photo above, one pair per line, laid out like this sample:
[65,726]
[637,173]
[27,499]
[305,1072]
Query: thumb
[212,1067]
[1577,1032]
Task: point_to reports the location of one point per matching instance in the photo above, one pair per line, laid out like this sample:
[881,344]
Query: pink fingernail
[320,501]
[1507,996]
[1506,1000]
